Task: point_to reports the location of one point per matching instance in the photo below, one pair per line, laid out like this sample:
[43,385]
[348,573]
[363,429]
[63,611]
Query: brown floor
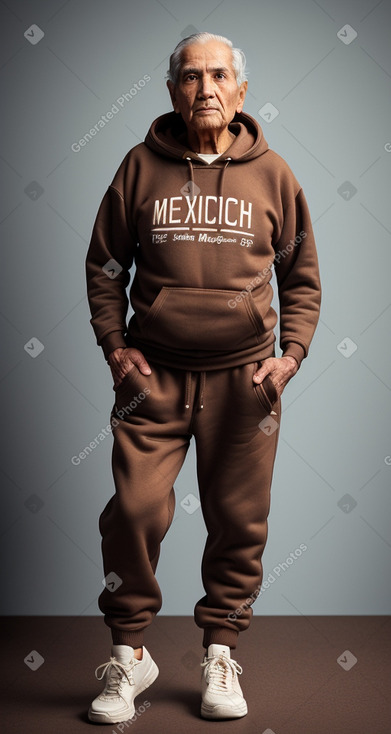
[291,679]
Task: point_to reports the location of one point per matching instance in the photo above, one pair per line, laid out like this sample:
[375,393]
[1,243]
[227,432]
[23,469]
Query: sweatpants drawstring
[202,389]
[187,390]
[188,381]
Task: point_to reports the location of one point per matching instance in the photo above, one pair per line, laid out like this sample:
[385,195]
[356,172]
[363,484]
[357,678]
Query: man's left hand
[280,369]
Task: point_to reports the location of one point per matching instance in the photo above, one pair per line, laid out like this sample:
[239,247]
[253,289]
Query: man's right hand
[123,360]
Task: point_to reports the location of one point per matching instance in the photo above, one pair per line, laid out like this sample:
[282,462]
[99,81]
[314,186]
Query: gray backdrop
[325,66]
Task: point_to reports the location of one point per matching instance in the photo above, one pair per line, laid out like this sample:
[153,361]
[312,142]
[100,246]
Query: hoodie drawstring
[188,383]
[221,179]
[227,161]
[191,176]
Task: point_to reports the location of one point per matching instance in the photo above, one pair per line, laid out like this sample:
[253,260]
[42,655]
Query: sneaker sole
[99,717]
[223,712]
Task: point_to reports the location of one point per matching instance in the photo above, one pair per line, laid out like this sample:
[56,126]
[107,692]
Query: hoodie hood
[168,137]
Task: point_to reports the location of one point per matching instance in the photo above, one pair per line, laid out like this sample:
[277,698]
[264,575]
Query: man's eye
[190,77]
[220,75]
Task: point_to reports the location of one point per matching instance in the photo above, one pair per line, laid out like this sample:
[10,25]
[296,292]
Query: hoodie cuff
[294,350]
[114,340]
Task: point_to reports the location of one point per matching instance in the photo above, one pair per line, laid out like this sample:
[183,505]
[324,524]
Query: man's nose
[205,88]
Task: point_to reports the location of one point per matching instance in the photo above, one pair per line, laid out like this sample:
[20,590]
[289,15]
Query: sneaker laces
[220,671]
[116,671]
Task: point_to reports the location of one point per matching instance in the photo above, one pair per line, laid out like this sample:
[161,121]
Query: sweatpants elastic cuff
[220,636]
[122,637]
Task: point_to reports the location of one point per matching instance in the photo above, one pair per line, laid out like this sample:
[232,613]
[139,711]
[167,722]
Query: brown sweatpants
[236,435]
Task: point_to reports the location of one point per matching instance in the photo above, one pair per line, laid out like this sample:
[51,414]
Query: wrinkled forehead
[210,56]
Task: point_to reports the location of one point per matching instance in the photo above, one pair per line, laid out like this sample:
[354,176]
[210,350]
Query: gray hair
[238,57]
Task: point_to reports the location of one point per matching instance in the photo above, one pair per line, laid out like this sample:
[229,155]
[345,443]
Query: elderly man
[205,210]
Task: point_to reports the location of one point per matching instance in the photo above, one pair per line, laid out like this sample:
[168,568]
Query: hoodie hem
[205,363]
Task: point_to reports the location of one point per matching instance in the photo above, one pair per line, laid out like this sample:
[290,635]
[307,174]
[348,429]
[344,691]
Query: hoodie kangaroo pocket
[199,318]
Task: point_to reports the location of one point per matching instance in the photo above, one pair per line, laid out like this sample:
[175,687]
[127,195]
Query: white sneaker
[126,677]
[222,696]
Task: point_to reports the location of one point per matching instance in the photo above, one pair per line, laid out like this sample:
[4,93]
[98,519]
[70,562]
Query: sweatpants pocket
[130,393]
[127,380]
[266,393]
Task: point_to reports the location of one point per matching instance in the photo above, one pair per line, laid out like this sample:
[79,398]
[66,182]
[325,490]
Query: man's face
[207,94]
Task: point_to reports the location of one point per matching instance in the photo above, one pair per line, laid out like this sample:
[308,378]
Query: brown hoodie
[204,238]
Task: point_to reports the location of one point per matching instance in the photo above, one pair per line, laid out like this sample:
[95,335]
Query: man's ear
[171,89]
[242,94]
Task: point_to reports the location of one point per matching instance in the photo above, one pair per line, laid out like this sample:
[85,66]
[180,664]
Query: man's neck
[210,141]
